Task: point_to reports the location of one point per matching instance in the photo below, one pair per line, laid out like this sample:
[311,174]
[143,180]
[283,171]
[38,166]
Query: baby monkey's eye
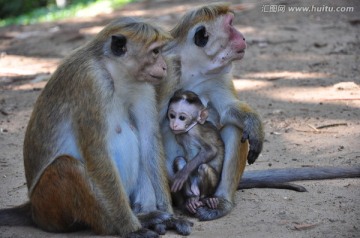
[182,118]
[172,116]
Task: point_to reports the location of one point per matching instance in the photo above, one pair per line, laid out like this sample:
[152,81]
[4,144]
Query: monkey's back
[50,131]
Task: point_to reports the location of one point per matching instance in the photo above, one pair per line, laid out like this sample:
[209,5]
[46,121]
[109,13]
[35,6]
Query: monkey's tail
[16,216]
[207,214]
[279,178]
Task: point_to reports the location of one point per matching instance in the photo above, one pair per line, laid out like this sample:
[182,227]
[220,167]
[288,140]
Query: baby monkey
[198,174]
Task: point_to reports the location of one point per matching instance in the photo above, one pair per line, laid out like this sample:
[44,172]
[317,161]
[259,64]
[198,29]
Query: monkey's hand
[211,202]
[223,208]
[179,180]
[192,204]
[253,132]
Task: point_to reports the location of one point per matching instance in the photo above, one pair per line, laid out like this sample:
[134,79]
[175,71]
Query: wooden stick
[331,125]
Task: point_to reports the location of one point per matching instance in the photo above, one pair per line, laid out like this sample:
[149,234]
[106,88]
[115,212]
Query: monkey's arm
[91,126]
[207,152]
[241,115]
[232,111]
[152,153]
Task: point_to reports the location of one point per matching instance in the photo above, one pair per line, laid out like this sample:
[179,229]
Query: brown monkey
[91,149]
[204,46]
[198,173]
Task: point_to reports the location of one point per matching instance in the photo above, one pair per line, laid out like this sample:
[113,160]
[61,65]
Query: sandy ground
[301,71]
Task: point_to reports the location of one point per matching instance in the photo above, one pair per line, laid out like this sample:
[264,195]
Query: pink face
[181,115]
[212,45]
[236,38]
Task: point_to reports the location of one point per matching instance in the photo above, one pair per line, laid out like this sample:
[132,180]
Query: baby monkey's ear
[203,115]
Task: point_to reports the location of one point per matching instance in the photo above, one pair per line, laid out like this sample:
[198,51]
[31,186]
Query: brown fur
[91,108]
[63,192]
[206,54]
[201,14]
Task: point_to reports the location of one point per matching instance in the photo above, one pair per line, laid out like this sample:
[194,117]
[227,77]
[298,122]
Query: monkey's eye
[182,118]
[172,116]
[201,36]
[156,51]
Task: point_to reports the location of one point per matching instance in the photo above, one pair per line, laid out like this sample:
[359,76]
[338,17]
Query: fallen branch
[305,226]
[312,127]
[331,125]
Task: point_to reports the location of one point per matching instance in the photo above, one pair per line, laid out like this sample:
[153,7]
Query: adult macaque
[91,149]
[204,46]
[198,173]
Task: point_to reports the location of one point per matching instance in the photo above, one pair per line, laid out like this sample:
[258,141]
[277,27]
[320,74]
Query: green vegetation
[24,12]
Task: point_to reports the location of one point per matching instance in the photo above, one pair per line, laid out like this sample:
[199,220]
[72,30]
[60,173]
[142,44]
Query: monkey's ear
[201,37]
[203,115]
[118,45]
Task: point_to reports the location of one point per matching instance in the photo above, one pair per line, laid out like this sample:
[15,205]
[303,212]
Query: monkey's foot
[180,225]
[205,213]
[142,233]
[153,219]
[160,221]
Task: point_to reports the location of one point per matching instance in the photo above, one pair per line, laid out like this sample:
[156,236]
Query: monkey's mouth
[155,78]
[239,54]
[176,132]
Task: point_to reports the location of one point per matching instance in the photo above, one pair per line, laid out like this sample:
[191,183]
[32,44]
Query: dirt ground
[301,71]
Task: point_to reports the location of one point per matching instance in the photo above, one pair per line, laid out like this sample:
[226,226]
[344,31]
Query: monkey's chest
[189,147]
[125,152]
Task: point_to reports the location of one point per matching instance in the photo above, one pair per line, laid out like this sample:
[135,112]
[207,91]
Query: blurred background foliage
[26,12]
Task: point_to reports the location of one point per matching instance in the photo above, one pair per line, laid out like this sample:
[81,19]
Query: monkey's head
[185,111]
[207,34]
[133,47]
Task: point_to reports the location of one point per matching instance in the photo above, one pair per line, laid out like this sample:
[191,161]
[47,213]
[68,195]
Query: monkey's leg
[208,181]
[143,199]
[233,168]
[64,200]
[144,205]
[179,163]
